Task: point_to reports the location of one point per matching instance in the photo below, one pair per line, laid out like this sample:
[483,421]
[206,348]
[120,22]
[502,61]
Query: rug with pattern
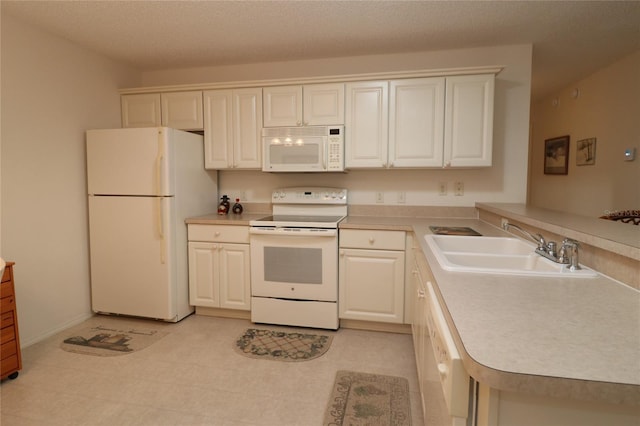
[360,399]
[110,338]
[282,346]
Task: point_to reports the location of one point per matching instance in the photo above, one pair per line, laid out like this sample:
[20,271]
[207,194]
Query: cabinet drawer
[9,364]
[6,289]
[6,275]
[219,233]
[6,319]
[7,334]
[372,239]
[7,304]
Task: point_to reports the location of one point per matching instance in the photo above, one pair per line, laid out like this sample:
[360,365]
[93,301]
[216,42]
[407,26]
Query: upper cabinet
[179,110]
[366,124]
[307,105]
[232,126]
[403,121]
[182,110]
[468,122]
[416,122]
[432,122]
[141,110]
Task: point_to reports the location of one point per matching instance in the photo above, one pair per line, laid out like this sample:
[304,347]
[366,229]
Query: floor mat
[282,346]
[111,339]
[368,399]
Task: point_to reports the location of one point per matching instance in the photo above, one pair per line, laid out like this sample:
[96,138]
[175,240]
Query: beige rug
[360,399]
[111,339]
[282,346]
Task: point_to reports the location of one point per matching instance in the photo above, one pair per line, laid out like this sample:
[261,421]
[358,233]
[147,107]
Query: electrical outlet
[402,197]
[379,197]
[458,188]
[442,188]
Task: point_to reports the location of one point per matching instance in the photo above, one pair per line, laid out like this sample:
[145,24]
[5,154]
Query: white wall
[608,109]
[52,91]
[506,181]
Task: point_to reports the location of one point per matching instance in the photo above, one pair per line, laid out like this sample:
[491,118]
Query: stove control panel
[320,195]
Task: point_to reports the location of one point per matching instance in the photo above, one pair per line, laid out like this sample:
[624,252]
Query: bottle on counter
[224,206]
[237,207]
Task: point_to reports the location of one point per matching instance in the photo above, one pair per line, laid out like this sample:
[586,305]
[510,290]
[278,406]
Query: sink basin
[496,255]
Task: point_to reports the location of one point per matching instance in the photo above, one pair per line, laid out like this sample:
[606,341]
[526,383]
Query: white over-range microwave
[303,149]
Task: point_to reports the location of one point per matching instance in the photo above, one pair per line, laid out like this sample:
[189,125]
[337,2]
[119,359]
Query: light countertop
[576,338]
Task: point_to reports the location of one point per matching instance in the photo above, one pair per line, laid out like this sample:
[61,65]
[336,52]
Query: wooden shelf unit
[11,357]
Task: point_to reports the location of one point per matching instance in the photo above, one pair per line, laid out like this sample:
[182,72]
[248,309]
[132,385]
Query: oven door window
[293,265]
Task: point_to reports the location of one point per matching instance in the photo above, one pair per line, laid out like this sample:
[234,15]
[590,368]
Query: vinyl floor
[193,376]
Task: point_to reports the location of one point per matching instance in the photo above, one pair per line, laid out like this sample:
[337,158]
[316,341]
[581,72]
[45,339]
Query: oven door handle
[294,232]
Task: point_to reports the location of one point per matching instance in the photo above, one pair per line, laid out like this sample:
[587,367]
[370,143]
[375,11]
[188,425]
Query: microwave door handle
[324,155]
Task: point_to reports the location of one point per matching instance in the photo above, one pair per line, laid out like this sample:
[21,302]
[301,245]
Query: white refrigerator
[142,185]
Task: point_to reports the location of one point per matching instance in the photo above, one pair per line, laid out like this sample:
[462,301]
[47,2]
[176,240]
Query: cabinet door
[366,121]
[203,270]
[141,110]
[247,125]
[323,104]
[371,285]
[468,128]
[218,129]
[416,122]
[282,106]
[235,283]
[182,110]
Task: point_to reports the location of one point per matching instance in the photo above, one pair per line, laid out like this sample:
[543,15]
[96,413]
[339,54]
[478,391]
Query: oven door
[294,263]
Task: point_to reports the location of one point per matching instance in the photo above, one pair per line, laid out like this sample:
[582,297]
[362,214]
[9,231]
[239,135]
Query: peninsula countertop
[576,338]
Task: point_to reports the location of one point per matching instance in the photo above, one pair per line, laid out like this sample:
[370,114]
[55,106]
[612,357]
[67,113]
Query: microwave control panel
[335,149]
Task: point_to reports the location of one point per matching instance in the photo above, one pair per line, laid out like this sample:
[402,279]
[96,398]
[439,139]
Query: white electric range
[294,258]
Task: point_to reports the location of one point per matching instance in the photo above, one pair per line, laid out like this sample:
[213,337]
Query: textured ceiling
[571,39]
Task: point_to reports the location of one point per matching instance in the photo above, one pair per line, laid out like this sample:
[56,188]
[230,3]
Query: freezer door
[132,256]
[130,161]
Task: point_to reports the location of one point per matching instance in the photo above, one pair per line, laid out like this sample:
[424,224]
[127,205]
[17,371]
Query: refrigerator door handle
[163,245]
[160,165]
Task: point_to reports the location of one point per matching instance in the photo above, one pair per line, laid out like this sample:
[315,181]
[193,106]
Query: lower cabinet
[371,275]
[219,267]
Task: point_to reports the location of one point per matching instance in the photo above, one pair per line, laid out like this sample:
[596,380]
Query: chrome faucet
[537,238]
[567,254]
[572,260]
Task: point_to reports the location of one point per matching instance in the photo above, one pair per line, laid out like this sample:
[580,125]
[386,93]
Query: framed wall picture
[556,156]
[586,152]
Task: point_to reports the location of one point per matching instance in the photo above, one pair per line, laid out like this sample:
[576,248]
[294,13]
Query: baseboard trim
[376,326]
[224,313]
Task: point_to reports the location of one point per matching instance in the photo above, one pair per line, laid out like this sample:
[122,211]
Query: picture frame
[556,155]
[586,152]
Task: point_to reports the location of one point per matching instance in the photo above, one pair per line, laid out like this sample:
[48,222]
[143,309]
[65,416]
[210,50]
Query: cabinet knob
[420,294]
[442,369]
[341,252]
[372,240]
[217,233]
